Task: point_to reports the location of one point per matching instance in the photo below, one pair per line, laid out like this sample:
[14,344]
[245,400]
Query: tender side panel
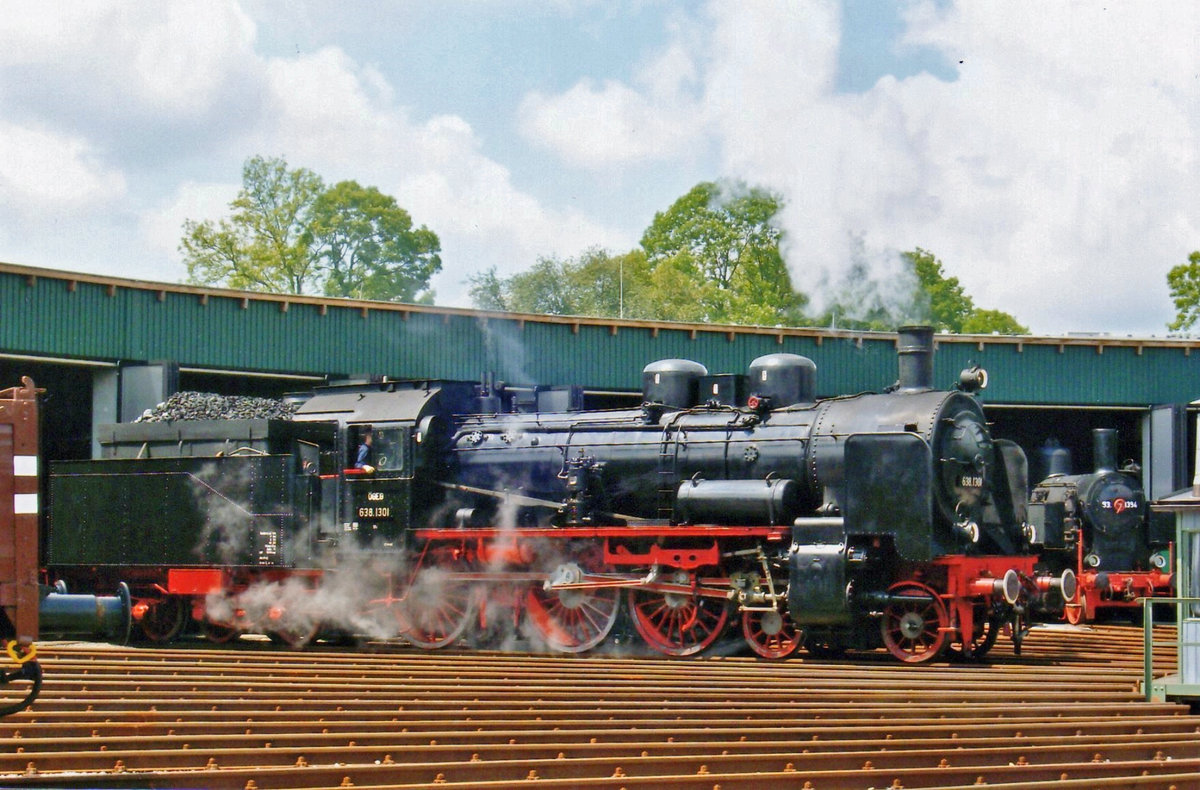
[172,512]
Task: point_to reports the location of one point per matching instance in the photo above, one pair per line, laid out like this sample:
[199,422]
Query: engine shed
[105,349]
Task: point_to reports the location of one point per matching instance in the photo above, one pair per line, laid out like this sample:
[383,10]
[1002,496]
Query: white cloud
[183,59]
[600,125]
[44,171]
[102,102]
[100,95]
[34,31]
[1065,155]
[597,126]
[74,60]
[339,119]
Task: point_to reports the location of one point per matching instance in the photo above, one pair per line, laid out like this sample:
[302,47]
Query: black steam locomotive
[891,519]
[1098,524]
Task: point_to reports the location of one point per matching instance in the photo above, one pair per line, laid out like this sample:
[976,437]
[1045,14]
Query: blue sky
[1047,153]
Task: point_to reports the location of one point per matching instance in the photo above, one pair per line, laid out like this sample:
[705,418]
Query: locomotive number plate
[374,512]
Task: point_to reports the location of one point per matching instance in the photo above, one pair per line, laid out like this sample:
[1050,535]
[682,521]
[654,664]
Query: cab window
[389,449]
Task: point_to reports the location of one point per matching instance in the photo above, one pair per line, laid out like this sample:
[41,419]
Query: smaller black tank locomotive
[1097,524]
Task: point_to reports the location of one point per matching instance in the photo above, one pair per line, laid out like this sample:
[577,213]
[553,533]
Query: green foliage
[949,307]
[987,322]
[611,285]
[263,246]
[368,247]
[715,231]
[717,250]
[289,234]
[947,304]
[595,284]
[932,298]
[1184,281]
[487,291]
[713,257]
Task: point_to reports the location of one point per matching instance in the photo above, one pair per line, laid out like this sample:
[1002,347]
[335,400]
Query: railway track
[1066,713]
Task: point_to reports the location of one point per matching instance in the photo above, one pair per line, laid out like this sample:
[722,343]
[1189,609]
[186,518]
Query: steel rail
[1066,713]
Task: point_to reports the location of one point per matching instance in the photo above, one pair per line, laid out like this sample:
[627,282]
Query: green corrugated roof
[63,314]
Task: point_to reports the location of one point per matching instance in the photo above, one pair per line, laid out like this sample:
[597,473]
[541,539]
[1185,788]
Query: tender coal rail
[1065,713]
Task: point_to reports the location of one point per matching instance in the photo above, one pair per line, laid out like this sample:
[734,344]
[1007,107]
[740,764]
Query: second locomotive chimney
[915,351]
[1104,450]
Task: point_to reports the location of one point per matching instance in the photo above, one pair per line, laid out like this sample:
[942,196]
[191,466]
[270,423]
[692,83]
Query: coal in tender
[210,406]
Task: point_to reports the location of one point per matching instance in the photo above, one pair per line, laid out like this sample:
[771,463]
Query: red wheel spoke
[164,619]
[578,619]
[779,641]
[439,607]
[677,624]
[913,625]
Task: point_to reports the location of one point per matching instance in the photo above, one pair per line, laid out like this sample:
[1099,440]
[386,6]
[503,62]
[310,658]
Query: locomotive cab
[374,508]
[377,502]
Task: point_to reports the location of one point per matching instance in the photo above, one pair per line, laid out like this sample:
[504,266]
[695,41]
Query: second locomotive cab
[451,511]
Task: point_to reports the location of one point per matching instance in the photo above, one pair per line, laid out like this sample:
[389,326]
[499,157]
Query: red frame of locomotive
[1116,589]
[955,592]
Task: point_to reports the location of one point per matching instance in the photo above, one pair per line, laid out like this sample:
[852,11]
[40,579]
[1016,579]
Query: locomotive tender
[888,519]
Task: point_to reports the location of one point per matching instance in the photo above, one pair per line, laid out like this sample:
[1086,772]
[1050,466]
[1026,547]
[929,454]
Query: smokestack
[1104,449]
[915,358]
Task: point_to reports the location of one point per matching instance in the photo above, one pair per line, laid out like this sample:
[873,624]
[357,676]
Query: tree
[720,244]
[935,299]
[713,256]
[543,289]
[942,298]
[487,291]
[289,234]
[988,322]
[263,246]
[595,284]
[368,247]
[613,285]
[949,306]
[1184,281]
